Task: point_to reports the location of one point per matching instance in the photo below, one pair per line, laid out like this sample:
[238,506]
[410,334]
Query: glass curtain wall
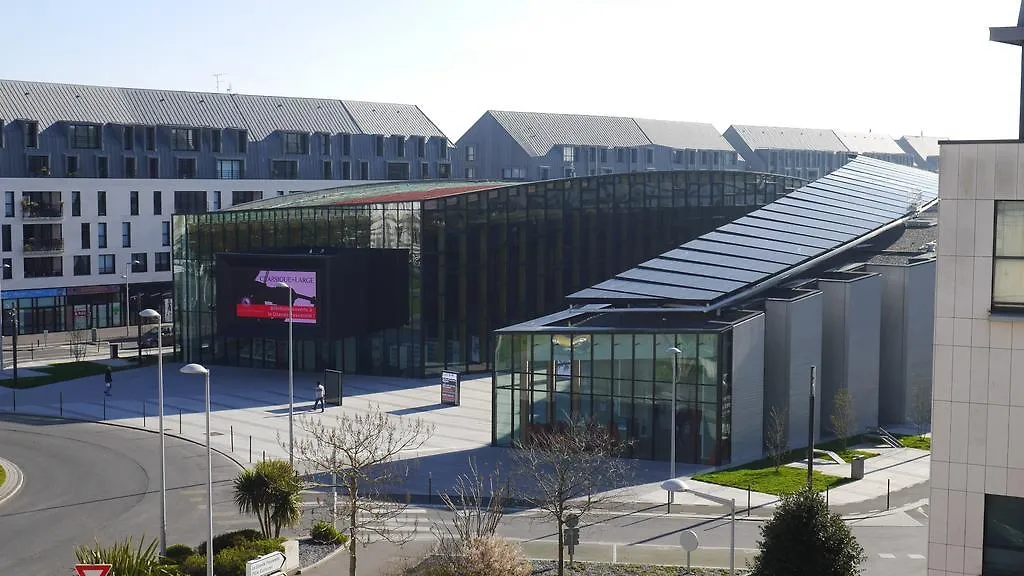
[621,382]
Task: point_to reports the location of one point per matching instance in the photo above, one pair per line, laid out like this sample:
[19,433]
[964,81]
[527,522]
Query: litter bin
[114,346]
[857,468]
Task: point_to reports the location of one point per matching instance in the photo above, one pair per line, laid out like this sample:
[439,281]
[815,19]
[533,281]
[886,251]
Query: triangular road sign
[92,569]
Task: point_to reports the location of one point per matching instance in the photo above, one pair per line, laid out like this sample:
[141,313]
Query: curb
[15,478]
[338,550]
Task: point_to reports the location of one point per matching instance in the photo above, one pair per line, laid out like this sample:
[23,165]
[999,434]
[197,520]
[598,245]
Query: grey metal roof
[869,143]
[539,132]
[683,135]
[758,251]
[781,138]
[923,146]
[50,103]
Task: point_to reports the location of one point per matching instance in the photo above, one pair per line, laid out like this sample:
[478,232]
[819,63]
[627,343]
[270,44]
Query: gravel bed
[311,552]
[547,568]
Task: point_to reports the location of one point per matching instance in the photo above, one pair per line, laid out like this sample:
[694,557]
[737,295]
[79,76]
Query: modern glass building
[481,255]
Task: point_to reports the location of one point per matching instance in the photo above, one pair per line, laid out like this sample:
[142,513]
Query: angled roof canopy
[784,238]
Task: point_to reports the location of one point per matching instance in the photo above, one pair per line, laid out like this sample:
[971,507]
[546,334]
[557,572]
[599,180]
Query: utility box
[114,349]
[857,468]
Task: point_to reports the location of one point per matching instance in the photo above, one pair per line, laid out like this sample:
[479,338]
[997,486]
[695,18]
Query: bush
[194,565]
[177,553]
[230,539]
[488,556]
[231,561]
[126,557]
[325,533]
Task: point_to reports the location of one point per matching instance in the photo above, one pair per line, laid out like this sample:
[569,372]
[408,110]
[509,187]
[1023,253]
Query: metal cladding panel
[683,135]
[538,133]
[783,138]
[831,214]
[391,119]
[868,143]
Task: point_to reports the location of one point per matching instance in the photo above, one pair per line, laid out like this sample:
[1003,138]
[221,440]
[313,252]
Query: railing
[52,245]
[37,210]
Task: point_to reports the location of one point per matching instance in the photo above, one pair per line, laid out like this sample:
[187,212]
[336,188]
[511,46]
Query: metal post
[232,437]
[127,298]
[179,421]
[163,445]
[810,435]
[291,380]
[732,539]
[887,480]
[672,450]
[430,487]
[250,447]
[62,404]
[14,342]
[104,406]
[748,499]
[143,413]
[334,498]
[209,482]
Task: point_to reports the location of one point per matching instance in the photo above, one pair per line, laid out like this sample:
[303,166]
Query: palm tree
[270,491]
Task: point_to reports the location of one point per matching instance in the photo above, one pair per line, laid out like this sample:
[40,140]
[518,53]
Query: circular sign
[572,520]
[688,540]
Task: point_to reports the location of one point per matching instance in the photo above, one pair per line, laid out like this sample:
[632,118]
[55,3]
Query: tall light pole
[676,352]
[810,434]
[2,269]
[199,369]
[149,313]
[291,371]
[127,297]
[676,485]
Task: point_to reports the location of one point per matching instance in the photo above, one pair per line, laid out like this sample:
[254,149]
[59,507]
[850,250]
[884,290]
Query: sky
[892,66]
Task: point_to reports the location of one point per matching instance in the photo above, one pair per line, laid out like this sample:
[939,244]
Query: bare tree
[776,440]
[920,412]
[844,415]
[569,471]
[358,453]
[78,343]
[477,505]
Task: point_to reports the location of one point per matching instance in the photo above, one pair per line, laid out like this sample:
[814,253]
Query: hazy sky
[893,66]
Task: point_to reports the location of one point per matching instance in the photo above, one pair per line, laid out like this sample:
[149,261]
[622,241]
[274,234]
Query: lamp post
[2,269]
[810,433]
[677,485]
[199,369]
[291,371]
[149,313]
[676,352]
[127,297]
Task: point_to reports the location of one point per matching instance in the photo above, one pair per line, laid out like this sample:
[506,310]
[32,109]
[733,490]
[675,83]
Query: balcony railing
[44,246]
[42,210]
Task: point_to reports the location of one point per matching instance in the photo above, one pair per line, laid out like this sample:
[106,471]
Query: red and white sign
[304,314]
[92,569]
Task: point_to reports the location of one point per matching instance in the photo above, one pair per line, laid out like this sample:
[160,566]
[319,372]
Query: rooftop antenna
[217,79]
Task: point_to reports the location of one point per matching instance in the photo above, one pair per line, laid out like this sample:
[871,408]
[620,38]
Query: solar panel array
[839,210]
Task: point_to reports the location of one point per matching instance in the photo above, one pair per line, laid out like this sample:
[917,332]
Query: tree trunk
[352,527]
[561,548]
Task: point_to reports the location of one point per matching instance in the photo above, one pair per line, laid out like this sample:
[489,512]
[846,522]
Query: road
[88,481]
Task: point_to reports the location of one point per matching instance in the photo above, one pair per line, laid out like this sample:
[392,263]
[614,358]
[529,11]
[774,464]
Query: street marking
[887,556]
[916,556]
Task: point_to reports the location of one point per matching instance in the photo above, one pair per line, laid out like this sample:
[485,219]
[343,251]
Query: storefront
[80,307]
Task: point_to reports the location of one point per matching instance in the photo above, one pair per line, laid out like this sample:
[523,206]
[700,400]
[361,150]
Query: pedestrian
[319,396]
[108,378]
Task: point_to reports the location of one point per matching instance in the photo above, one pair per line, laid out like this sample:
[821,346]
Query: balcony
[43,247]
[33,209]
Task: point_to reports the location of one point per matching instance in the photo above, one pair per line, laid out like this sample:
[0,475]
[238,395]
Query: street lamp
[676,352]
[149,313]
[127,300]
[4,267]
[677,485]
[291,372]
[198,369]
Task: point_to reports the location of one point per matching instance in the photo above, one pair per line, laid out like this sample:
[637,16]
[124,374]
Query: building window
[150,138]
[295,143]
[158,203]
[470,153]
[1003,551]
[126,234]
[101,203]
[154,167]
[71,166]
[620,155]
[650,156]
[101,235]
[421,147]
[229,169]
[161,261]
[243,141]
[346,170]
[328,170]
[444,170]
[513,174]
[133,202]
[470,173]
[190,201]
[604,154]
[5,238]
[86,236]
[76,203]
[216,139]
[364,170]
[346,144]
[38,166]
[84,135]
[186,168]
[1008,259]
[102,167]
[165,233]
[83,265]
[107,264]
[128,137]
[398,171]
[632,155]
[9,204]
[185,139]
[399,145]
[8,268]
[139,262]
[325,144]
[243,196]
[216,199]
[544,173]
[424,171]
[129,167]
[568,172]
[442,152]
[378,145]
[31,134]
[568,154]
[284,169]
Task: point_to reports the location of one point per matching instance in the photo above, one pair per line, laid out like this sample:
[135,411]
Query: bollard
[179,421]
[264,455]
[430,487]
[62,404]
[826,496]
[250,448]
[232,437]
[104,406]
[748,499]
[887,493]
[143,413]
[14,400]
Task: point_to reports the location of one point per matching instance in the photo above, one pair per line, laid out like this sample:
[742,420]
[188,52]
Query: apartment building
[504,145]
[923,151]
[91,175]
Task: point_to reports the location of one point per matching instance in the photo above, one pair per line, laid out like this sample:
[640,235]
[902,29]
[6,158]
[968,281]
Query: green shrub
[194,565]
[325,533]
[177,553]
[229,539]
[126,558]
[231,561]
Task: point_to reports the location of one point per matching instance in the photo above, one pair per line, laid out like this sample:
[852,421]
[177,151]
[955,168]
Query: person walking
[108,379]
[320,392]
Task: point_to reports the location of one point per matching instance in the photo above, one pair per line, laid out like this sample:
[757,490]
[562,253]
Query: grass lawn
[63,371]
[848,455]
[919,442]
[766,480]
[3,476]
